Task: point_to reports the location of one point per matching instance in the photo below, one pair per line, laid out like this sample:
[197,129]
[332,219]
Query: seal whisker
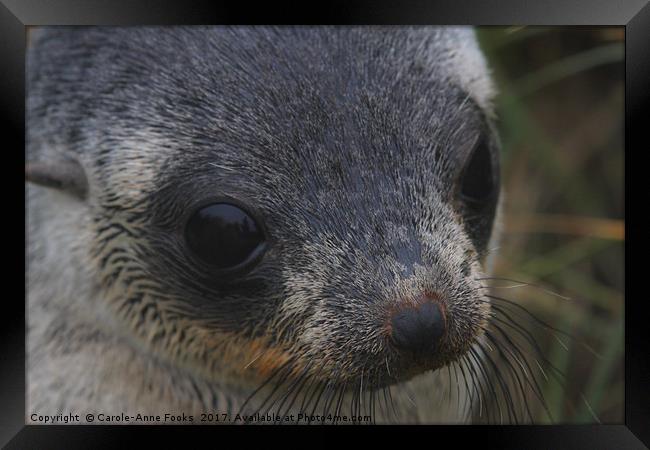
[548,291]
[262,385]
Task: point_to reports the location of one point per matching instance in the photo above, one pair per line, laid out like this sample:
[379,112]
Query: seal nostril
[418,329]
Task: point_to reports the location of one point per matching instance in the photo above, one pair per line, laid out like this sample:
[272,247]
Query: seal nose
[418,329]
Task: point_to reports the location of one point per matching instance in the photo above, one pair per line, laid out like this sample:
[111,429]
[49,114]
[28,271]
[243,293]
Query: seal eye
[477,180]
[225,237]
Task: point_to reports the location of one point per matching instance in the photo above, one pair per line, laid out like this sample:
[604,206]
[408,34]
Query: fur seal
[255,219]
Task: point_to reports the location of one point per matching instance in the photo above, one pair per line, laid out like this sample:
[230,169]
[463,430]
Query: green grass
[560,114]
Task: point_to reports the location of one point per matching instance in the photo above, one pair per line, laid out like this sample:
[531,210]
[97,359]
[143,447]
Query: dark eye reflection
[477,182]
[225,237]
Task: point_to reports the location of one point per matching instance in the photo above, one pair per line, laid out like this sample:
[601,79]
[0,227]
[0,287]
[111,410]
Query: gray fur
[347,142]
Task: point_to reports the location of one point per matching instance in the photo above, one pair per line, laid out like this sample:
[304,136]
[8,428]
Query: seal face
[278,202]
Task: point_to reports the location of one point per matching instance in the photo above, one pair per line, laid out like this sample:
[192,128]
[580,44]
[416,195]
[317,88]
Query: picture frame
[634,15]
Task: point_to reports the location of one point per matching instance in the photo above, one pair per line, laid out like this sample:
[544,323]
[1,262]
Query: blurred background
[561,119]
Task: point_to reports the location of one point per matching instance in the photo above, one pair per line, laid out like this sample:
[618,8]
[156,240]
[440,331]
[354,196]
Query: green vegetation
[561,119]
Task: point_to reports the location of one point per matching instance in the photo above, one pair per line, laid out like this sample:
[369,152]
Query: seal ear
[67,176]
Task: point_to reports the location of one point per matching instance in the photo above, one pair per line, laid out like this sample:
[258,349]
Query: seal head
[277,201]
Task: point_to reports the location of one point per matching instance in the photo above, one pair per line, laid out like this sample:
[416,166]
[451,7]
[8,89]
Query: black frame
[15,15]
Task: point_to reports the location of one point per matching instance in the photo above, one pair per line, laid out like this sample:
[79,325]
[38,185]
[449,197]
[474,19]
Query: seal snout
[418,328]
